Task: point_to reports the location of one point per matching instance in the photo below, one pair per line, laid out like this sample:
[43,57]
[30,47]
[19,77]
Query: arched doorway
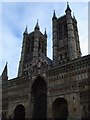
[19,113]
[60,109]
[39,96]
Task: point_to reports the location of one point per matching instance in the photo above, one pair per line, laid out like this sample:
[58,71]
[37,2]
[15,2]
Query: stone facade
[45,88]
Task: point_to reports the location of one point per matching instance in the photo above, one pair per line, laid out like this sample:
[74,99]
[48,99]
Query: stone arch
[60,109]
[39,98]
[19,112]
[34,79]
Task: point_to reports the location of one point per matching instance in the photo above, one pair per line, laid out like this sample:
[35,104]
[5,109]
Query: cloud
[16,15]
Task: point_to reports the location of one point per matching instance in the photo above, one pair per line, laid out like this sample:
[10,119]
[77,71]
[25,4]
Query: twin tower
[65,38]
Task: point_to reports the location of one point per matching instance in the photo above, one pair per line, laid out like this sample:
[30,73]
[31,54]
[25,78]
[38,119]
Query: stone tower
[65,38]
[34,46]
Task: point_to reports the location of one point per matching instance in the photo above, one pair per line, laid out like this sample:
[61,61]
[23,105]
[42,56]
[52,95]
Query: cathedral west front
[58,89]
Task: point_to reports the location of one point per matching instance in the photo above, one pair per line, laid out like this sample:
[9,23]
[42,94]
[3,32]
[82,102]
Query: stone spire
[73,16]
[26,31]
[45,33]
[4,75]
[54,15]
[5,70]
[21,64]
[37,26]
[68,7]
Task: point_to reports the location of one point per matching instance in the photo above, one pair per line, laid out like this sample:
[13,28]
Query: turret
[71,35]
[21,64]
[4,92]
[54,33]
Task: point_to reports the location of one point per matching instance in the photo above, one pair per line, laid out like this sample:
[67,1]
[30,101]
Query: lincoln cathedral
[57,89]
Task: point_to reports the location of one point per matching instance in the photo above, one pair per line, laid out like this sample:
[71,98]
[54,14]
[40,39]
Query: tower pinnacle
[68,7]
[37,26]
[73,15]
[54,15]
[4,74]
[45,33]
[26,31]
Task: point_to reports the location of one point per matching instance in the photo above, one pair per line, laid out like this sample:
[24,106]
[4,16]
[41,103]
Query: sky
[15,17]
